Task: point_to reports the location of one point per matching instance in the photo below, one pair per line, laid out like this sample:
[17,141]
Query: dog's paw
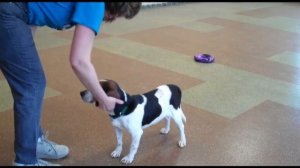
[164,131]
[127,160]
[181,144]
[115,154]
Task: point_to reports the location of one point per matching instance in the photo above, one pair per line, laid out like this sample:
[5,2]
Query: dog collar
[122,113]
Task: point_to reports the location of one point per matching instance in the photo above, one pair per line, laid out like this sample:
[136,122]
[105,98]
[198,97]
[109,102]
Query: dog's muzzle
[87,96]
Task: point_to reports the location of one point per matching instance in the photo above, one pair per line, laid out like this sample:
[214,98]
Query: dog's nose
[87,96]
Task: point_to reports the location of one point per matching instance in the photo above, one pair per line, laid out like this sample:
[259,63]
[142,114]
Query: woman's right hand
[109,104]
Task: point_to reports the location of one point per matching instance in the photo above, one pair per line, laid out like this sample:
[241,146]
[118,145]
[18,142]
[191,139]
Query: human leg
[22,69]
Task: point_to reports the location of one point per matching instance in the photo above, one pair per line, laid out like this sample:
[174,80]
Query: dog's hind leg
[117,152]
[136,135]
[166,129]
[179,118]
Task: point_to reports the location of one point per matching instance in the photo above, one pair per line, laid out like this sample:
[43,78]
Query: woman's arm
[80,59]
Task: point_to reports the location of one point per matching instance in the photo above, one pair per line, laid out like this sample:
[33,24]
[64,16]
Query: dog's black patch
[152,108]
[175,96]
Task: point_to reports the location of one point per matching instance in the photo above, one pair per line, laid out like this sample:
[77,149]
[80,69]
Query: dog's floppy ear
[110,87]
[104,85]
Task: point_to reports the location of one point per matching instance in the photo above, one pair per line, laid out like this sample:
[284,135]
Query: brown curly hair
[122,9]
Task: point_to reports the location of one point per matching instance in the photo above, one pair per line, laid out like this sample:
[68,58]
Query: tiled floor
[243,109]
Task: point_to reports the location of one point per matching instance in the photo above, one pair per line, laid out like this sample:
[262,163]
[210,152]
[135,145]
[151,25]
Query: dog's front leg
[117,152]
[136,135]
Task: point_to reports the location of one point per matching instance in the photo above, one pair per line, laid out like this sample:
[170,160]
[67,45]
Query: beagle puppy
[141,111]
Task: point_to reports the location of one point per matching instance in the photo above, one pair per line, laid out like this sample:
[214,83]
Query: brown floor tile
[266,135]
[238,45]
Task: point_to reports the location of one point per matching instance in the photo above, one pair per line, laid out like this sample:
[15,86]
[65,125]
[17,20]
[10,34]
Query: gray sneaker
[40,162]
[47,149]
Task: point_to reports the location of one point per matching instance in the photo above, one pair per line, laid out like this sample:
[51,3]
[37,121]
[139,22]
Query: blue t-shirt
[61,15]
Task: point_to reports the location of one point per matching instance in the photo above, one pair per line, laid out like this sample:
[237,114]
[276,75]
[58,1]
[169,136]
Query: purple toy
[204,58]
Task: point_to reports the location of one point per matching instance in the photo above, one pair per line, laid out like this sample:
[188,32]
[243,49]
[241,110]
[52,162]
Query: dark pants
[21,66]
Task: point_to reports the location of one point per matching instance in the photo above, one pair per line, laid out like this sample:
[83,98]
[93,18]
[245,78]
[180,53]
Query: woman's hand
[109,104]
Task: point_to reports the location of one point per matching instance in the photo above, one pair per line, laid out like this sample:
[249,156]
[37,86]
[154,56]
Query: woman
[21,66]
